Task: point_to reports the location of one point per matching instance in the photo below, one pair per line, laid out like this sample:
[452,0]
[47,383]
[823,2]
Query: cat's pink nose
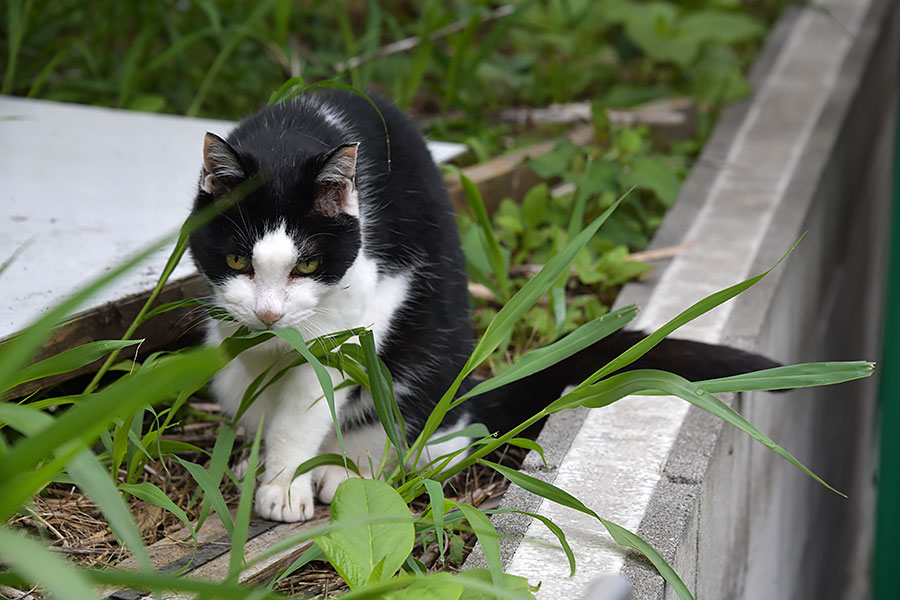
[269,316]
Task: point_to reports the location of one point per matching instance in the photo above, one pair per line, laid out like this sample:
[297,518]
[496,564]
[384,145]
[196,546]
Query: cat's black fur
[406,226]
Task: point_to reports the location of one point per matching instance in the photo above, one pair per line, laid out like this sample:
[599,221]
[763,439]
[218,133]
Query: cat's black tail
[504,408]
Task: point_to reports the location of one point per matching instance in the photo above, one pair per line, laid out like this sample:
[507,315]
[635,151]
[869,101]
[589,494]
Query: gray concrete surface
[85,187]
[809,152]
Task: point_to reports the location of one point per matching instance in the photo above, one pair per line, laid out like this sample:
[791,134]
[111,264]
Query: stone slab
[750,198]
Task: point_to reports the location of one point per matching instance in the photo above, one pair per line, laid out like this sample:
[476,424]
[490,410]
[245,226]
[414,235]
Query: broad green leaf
[70,360]
[621,535]
[429,588]
[654,174]
[368,552]
[556,162]
[478,586]
[723,26]
[43,568]
[534,205]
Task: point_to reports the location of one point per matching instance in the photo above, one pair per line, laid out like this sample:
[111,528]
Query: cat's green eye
[306,267]
[237,262]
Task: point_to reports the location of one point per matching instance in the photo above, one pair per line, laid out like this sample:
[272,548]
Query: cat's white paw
[288,503]
[327,479]
[240,469]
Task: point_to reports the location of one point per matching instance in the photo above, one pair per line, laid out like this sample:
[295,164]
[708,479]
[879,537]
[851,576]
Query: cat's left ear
[335,191]
[222,169]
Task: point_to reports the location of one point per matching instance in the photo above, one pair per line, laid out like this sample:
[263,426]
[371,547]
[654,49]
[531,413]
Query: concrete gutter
[809,152]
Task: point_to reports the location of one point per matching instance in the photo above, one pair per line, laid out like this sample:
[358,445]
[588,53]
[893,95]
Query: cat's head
[276,253]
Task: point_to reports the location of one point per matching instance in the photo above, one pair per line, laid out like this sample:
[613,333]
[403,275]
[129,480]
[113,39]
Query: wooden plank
[508,175]
[111,319]
[211,557]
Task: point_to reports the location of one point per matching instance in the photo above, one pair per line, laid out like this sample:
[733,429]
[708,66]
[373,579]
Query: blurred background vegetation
[458,67]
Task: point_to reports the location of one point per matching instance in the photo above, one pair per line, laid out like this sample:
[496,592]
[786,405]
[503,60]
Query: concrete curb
[810,151]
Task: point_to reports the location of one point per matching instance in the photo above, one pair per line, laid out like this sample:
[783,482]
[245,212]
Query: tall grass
[373,514]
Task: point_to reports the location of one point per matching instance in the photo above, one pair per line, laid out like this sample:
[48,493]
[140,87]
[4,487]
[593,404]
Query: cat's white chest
[360,299]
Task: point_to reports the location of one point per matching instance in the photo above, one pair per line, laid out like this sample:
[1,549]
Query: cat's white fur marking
[364,446]
[297,421]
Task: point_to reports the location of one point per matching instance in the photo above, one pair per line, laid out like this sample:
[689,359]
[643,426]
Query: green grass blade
[210,488]
[293,337]
[691,313]
[17,15]
[238,34]
[16,353]
[381,393]
[90,476]
[217,465]
[618,386]
[436,498]
[12,257]
[84,422]
[503,323]
[43,568]
[626,538]
[164,582]
[325,459]
[151,494]
[790,377]
[621,535]
[475,430]
[540,359]
[529,445]
[282,92]
[554,529]
[70,360]
[492,249]
[487,537]
[532,291]
[242,516]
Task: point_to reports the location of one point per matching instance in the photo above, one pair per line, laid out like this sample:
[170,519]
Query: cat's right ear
[222,169]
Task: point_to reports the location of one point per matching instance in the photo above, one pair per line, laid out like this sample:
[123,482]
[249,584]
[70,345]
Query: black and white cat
[345,230]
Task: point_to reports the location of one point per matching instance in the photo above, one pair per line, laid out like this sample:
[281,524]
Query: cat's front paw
[288,503]
[327,479]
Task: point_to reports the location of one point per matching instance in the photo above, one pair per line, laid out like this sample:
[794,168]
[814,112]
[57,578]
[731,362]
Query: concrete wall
[810,152]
